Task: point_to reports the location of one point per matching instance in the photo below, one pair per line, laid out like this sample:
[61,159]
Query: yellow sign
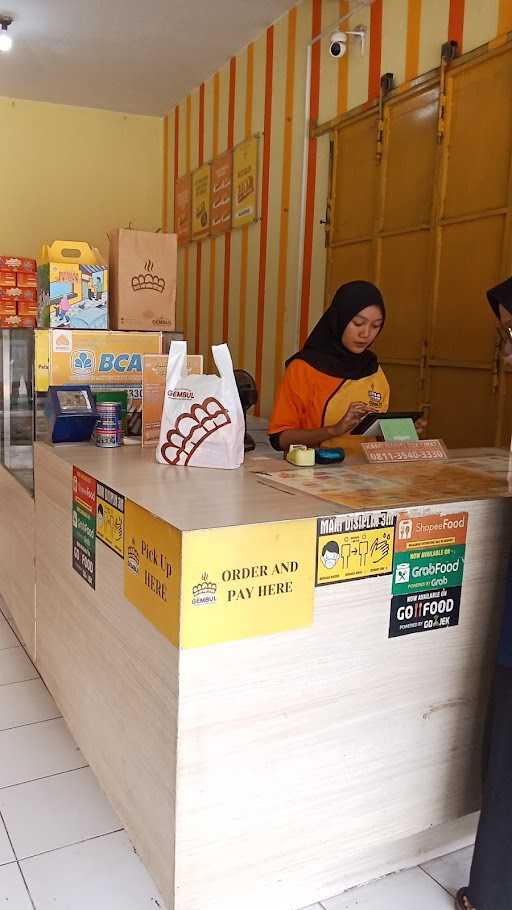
[354,546]
[152,568]
[42,360]
[247,581]
[245,182]
[93,358]
[110,518]
[201,189]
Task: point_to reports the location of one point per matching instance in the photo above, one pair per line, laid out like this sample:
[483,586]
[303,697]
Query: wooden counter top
[284,766]
[193,499]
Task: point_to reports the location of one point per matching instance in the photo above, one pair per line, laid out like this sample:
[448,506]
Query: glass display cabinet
[22,413]
[17,416]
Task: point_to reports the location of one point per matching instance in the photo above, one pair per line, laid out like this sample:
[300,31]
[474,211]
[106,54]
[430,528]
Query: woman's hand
[354,415]
[421,425]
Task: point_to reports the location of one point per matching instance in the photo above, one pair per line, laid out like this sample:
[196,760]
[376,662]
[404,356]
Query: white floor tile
[6,852]
[104,874]
[25,703]
[403,891]
[15,666]
[13,894]
[56,812]
[7,636]
[39,750]
[452,871]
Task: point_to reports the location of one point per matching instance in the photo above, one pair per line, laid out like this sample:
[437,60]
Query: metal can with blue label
[109,426]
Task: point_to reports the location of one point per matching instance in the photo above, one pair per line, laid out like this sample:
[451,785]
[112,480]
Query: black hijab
[323,349]
[501,293]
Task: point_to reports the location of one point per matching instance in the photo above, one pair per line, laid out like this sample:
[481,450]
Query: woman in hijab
[335,380]
[490,885]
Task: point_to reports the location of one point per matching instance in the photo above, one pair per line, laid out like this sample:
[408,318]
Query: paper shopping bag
[143,268]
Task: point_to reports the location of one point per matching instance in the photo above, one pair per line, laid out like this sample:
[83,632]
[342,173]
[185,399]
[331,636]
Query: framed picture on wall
[201,201]
[222,194]
[245,182]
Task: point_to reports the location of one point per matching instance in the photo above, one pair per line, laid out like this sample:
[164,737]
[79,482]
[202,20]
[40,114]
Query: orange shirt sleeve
[289,407]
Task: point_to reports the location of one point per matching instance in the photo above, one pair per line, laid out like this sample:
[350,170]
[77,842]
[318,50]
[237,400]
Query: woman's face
[363,329]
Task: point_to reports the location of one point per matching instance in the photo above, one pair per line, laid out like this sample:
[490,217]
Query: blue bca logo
[83,363]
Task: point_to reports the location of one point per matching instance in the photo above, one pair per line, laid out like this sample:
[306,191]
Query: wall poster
[201,193]
[222,193]
[245,182]
[183,209]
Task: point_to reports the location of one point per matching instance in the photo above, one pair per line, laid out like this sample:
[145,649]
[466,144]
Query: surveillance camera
[338,44]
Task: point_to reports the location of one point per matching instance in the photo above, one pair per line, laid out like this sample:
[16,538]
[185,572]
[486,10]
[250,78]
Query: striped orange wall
[245,288]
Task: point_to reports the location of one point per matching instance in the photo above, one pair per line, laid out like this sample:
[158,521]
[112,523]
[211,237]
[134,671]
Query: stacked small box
[18,292]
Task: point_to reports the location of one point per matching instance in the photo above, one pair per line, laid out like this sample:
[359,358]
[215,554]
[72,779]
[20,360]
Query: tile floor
[62,846]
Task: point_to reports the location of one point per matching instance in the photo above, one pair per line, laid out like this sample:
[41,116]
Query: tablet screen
[373,420]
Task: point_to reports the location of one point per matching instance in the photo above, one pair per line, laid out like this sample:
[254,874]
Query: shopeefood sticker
[428,571]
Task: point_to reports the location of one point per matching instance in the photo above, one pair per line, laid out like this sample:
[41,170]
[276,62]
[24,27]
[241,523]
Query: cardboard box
[19,295]
[8,308]
[73,287]
[26,308]
[26,280]
[103,360]
[7,279]
[143,268]
[153,392]
[18,264]
[18,322]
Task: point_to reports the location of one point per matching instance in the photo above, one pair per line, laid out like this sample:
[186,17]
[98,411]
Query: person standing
[490,883]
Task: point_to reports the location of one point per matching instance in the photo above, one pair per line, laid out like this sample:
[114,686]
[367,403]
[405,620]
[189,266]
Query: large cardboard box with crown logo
[143,266]
[73,287]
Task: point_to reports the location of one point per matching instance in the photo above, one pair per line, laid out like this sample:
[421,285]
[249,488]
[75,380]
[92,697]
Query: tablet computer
[369,425]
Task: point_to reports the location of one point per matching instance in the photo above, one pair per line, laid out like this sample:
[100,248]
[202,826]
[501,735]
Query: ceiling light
[5,39]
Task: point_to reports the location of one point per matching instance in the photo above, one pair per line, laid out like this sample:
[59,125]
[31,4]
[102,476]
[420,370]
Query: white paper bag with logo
[202,421]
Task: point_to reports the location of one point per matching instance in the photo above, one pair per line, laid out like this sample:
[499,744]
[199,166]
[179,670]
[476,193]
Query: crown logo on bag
[148,281]
[192,429]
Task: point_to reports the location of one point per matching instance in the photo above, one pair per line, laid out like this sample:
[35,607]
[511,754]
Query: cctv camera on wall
[338,44]
[338,41]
